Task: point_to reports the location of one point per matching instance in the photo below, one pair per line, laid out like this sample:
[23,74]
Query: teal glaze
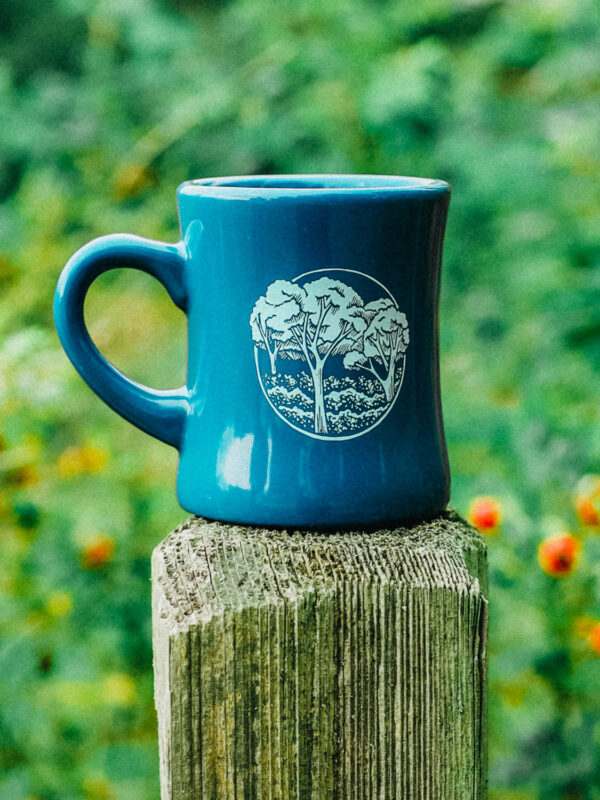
[313,394]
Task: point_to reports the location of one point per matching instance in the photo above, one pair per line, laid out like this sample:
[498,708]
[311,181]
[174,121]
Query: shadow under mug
[312,396]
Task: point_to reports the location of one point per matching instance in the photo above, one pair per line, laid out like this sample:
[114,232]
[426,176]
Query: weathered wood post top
[319,666]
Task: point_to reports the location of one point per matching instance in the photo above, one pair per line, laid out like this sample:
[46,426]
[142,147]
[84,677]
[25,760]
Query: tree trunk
[388,384]
[272,360]
[320,415]
[321,666]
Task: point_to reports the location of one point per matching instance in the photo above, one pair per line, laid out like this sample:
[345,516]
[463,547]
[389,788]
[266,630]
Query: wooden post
[320,666]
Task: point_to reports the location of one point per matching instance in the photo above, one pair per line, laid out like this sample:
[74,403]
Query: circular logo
[330,351]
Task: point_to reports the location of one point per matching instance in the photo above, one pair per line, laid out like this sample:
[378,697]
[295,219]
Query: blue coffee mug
[313,392]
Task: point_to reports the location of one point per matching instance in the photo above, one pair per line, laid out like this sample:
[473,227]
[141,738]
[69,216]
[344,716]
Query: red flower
[485,514]
[558,555]
[98,553]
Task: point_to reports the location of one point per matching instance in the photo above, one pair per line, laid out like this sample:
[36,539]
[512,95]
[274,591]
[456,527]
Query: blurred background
[105,106]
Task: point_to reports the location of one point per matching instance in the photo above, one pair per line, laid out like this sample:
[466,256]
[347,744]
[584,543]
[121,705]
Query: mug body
[313,378]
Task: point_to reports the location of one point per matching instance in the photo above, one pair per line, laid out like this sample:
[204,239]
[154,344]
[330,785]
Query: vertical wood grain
[317,666]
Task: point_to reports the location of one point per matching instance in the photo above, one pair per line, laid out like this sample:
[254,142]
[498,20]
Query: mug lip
[309,185]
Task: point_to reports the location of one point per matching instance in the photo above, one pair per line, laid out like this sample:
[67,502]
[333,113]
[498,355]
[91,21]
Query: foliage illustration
[385,342]
[313,323]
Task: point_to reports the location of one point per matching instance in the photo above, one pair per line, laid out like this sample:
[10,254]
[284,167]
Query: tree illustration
[270,321]
[383,344]
[312,322]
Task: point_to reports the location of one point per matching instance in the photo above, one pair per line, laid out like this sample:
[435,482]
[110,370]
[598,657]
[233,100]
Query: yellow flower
[514,694]
[98,789]
[118,689]
[59,604]
[583,625]
[75,460]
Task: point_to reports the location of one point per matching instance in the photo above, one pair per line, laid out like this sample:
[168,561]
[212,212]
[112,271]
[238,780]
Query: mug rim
[309,185]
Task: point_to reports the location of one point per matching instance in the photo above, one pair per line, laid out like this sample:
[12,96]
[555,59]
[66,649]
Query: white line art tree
[269,322]
[312,322]
[383,344]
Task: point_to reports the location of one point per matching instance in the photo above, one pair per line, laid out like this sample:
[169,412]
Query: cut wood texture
[317,666]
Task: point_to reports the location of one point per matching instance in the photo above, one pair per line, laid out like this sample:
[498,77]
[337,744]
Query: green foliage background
[105,106]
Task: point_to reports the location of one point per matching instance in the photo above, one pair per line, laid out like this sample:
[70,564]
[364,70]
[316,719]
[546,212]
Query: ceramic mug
[313,394]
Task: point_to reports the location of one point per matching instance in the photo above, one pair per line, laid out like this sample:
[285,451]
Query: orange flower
[587,500]
[594,638]
[98,553]
[485,514]
[558,555]
[75,460]
[587,512]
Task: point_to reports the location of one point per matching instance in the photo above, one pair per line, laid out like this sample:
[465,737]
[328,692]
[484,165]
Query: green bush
[104,108]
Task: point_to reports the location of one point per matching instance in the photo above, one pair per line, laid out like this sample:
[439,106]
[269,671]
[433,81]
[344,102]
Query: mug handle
[157,412]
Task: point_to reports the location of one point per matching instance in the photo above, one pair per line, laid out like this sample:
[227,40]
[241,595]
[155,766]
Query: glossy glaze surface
[313,388]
